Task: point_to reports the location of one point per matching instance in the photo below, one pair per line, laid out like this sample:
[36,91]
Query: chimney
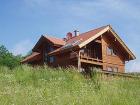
[76,32]
[65,39]
[69,35]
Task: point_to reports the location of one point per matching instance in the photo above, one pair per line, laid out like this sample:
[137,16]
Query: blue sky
[22,22]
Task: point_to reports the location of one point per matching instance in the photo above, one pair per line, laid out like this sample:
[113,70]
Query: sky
[22,22]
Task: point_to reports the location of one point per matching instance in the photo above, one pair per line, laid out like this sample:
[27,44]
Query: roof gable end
[52,40]
[101,32]
[93,37]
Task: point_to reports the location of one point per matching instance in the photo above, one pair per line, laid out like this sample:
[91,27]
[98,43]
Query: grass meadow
[25,85]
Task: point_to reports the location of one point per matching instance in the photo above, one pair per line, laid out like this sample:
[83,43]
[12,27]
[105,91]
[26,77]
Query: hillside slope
[37,86]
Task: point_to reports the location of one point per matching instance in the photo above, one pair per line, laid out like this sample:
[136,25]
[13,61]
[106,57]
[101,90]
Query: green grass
[37,86]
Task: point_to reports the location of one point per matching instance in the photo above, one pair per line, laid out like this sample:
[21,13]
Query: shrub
[8,59]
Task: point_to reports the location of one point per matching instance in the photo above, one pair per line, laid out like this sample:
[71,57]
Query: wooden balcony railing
[90,59]
[86,59]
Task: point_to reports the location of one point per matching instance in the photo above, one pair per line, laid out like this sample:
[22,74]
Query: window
[111,51]
[109,69]
[51,59]
[115,69]
[51,49]
[47,59]
[112,69]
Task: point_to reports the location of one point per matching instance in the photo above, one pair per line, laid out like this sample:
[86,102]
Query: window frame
[110,51]
[48,59]
[110,68]
[116,69]
[51,59]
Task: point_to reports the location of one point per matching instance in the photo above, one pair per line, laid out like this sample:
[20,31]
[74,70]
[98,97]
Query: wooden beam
[79,62]
[92,59]
[98,41]
[91,62]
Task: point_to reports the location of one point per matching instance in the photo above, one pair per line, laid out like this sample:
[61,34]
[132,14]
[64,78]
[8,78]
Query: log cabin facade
[101,48]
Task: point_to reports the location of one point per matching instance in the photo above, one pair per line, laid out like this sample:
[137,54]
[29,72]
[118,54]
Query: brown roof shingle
[82,37]
[57,41]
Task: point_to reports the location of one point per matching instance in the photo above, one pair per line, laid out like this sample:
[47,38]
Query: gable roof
[82,38]
[89,36]
[85,36]
[53,40]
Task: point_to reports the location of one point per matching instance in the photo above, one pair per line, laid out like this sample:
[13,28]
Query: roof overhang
[35,56]
[132,56]
[60,51]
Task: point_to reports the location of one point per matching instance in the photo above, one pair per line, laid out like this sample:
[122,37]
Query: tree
[3,51]
[8,59]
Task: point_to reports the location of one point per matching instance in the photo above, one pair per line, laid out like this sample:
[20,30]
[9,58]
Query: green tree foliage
[8,59]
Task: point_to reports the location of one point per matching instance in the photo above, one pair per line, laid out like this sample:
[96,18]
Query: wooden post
[103,55]
[79,62]
[43,60]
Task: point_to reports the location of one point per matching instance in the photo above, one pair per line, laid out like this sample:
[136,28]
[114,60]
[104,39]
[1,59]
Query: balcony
[92,56]
[88,56]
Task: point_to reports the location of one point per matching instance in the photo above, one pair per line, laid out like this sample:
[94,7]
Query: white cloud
[97,10]
[107,8]
[22,47]
[36,2]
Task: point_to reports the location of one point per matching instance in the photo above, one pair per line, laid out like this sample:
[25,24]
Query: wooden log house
[101,48]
